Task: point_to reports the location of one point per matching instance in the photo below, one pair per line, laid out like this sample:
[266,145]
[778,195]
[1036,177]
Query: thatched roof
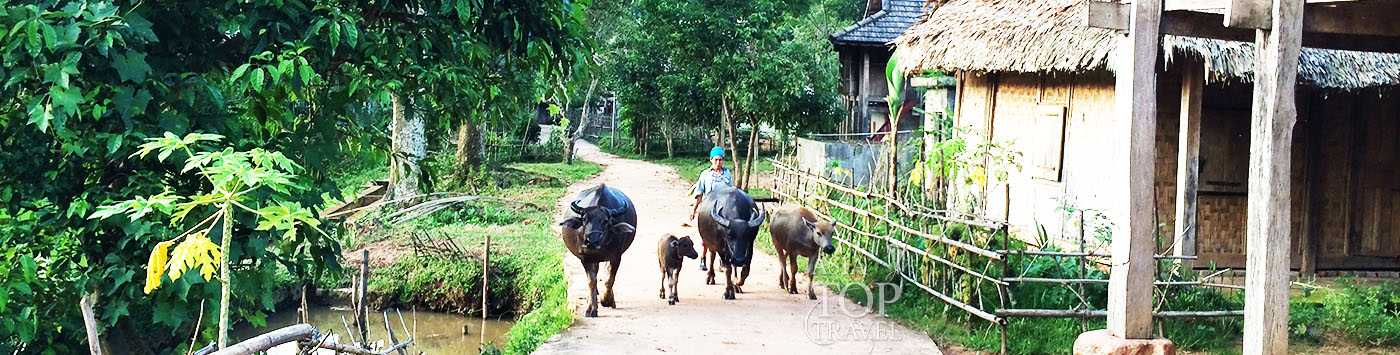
[1047,35]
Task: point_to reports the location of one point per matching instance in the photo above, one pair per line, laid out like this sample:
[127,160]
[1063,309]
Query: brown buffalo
[796,231]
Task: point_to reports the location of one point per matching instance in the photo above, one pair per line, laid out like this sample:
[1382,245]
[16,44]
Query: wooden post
[861,104]
[1188,162]
[1271,136]
[90,322]
[362,313]
[485,285]
[1135,108]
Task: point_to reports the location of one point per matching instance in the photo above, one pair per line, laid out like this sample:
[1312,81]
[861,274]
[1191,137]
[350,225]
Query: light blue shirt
[710,180]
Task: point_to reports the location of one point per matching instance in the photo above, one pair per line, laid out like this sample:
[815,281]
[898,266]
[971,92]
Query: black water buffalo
[728,222]
[796,231]
[598,226]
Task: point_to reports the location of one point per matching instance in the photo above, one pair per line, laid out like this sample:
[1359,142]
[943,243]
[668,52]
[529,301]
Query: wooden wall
[1346,164]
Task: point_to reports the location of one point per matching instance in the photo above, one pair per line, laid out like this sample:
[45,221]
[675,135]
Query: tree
[754,63]
[84,81]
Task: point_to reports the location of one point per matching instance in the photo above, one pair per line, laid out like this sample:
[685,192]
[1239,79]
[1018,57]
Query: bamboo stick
[1057,313]
[973,310]
[906,246]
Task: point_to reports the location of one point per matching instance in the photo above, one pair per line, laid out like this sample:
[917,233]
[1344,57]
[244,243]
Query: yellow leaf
[195,251]
[207,271]
[156,265]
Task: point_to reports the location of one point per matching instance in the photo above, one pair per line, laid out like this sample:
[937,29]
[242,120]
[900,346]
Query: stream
[437,333]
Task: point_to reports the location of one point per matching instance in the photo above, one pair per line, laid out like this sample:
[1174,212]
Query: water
[437,333]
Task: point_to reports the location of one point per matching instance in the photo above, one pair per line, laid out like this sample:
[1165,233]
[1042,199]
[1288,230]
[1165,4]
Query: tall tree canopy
[83,83]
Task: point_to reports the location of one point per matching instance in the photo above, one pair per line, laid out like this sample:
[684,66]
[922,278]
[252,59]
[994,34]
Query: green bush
[1368,314]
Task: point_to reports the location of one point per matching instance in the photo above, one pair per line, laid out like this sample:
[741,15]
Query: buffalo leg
[782,269]
[675,291]
[743,275]
[664,274]
[811,276]
[791,286]
[710,274]
[729,287]
[592,270]
[612,276]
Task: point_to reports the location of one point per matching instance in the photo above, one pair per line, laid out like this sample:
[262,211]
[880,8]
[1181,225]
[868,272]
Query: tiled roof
[883,26]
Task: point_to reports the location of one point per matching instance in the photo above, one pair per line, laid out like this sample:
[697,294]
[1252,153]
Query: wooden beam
[1188,162]
[1135,108]
[1341,17]
[1271,136]
[1207,25]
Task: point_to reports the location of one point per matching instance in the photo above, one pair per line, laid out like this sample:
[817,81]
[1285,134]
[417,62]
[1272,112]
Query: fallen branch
[298,332]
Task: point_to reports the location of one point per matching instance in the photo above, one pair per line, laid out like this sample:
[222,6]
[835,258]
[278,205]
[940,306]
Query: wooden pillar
[1135,114]
[1271,136]
[861,105]
[1188,162]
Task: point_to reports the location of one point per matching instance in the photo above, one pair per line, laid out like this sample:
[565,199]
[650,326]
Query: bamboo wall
[1345,188]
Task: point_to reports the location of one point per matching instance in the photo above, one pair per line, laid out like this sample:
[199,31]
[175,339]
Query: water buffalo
[796,231]
[598,226]
[670,254]
[728,222]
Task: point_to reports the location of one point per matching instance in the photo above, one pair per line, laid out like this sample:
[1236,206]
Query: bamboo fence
[962,260]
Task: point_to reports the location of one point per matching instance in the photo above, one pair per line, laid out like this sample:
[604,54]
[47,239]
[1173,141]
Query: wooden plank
[1274,114]
[1188,162]
[1135,100]
[1248,14]
[1107,14]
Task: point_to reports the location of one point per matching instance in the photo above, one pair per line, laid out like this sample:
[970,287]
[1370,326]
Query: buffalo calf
[670,253]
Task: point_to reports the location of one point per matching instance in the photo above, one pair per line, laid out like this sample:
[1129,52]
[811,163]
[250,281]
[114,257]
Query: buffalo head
[821,234]
[741,233]
[595,222]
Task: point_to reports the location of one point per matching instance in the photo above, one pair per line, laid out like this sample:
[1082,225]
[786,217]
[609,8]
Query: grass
[1365,314]
[352,173]
[527,275]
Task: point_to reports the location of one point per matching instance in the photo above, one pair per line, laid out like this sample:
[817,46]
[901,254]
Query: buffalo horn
[719,216]
[758,220]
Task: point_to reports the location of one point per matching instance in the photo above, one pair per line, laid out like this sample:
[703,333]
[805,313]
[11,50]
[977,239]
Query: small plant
[233,180]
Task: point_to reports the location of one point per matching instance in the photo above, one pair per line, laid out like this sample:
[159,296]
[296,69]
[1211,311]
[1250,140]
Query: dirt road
[764,319]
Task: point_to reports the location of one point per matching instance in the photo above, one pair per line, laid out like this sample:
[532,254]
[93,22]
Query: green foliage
[82,81]
[1368,314]
[676,63]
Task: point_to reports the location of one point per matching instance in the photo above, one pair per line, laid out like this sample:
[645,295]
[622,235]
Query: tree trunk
[409,146]
[666,127]
[728,124]
[752,153]
[582,121]
[225,295]
[468,149]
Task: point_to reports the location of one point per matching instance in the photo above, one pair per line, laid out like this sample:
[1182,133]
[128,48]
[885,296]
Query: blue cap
[716,152]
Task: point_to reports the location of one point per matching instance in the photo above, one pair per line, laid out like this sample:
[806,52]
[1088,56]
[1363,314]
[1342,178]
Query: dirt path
[762,320]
